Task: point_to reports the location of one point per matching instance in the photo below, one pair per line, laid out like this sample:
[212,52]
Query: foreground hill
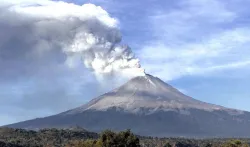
[150,107]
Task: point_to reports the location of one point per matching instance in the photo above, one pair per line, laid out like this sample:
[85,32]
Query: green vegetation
[181,142]
[110,139]
[235,143]
[45,137]
[82,138]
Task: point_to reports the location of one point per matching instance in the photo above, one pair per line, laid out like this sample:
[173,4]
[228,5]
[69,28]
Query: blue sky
[199,46]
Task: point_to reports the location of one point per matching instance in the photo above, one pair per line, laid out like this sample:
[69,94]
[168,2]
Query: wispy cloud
[193,40]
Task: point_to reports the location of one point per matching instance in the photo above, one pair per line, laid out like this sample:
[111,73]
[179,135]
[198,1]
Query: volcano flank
[150,107]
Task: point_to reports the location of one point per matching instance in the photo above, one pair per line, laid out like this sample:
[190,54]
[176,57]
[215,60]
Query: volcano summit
[148,106]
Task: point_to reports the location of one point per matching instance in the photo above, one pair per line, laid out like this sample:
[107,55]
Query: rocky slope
[150,107]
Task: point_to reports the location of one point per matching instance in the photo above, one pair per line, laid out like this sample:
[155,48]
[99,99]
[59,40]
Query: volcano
[150,107]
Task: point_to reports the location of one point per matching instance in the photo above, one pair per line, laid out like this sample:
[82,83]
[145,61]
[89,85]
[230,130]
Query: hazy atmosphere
[57,55]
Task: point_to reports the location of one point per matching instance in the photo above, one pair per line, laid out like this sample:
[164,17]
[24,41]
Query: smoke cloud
[49,32]
[55,56]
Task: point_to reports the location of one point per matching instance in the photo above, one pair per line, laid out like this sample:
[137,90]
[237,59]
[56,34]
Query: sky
[201,47]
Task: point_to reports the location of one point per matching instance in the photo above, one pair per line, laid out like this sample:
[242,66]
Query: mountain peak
[146,83]
[147,78]
[145,92]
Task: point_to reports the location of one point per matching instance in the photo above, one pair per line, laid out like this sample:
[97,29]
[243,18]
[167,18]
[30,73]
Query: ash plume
[49,30]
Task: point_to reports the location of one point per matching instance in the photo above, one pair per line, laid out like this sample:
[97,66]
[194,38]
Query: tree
[235,143]
[168,145]
[108,138]
[208,145]
[127,139]
[111,139]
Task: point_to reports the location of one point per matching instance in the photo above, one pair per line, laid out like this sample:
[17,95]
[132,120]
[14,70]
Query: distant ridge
[150,107]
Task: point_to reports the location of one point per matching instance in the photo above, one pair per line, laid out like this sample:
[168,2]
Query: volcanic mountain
[149,107]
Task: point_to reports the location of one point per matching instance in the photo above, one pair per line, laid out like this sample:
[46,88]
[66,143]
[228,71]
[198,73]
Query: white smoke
[86,34]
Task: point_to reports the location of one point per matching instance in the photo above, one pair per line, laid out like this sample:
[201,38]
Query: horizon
[202,53]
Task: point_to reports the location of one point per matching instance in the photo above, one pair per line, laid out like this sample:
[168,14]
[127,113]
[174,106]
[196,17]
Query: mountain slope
[147,92]
[150,107]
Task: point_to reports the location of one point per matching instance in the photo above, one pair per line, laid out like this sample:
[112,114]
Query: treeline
[45,137]
[81,138]
[182,142]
